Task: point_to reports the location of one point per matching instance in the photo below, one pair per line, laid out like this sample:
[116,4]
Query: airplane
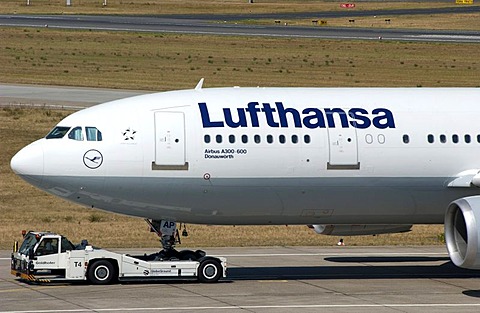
[344,161]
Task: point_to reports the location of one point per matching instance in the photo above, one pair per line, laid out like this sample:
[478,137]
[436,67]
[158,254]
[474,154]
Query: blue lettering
[385,120]
[361,121]
[315,120]
[280,116]
[242,120]
[206,117]
[253,113]
[269,115]
[331,118]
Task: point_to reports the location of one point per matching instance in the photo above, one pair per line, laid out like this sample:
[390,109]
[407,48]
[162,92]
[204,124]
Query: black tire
[101,272]
[209,271]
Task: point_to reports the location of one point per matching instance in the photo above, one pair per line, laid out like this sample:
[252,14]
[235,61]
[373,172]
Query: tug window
[47,246]
[58,132]
[76,134]
[93,134]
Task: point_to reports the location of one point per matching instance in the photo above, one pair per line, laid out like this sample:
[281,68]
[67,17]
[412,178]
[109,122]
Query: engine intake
[462,232]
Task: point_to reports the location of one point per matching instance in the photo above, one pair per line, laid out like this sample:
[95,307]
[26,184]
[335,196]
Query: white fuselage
[267,155]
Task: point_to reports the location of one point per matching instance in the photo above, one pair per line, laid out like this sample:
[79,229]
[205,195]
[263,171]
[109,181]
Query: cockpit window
[58,132]
[93,134]
[76,134]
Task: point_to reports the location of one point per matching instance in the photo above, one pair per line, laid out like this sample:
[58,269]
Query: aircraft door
[343,148]
[169,141]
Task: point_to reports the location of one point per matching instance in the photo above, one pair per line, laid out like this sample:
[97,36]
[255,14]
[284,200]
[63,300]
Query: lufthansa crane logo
[92,159]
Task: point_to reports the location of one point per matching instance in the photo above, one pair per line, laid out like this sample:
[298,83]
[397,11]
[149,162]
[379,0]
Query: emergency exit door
[343,149]
[169,141]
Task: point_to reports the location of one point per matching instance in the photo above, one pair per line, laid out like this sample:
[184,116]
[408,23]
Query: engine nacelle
[355,230]
[462,232]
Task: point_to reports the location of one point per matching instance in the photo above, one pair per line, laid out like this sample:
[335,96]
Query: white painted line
[346,254]
[251,307]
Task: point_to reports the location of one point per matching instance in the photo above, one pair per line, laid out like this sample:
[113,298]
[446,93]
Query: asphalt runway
[224,25]
[275,279]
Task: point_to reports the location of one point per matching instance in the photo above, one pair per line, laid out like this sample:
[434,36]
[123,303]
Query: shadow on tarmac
[358,271]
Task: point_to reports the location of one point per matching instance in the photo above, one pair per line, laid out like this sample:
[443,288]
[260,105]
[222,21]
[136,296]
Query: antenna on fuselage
[199,85]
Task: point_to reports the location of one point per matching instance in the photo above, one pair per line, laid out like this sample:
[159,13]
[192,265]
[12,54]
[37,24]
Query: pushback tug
[48,257]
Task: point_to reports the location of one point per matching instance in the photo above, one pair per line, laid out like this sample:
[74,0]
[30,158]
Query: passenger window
[406,139]
[430,138]
[206,138]
[478,138]
[256,138]
[58,132]
[218,138]
[369,138]
[455,138]
[76,134]
[269,138]
[381,139]
[281,138]
[294,139]
[306,139]
[244,138]
[468,139]
[93,134]
[231,138]
[443,138]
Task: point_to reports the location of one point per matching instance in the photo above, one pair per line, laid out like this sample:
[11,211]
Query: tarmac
[274,279]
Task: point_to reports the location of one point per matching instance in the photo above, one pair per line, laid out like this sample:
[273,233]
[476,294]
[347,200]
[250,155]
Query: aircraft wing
[469,178]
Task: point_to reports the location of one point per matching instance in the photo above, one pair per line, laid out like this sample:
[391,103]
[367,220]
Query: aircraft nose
[28,162]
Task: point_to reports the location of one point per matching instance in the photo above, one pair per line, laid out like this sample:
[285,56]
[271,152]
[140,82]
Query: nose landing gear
[169,236]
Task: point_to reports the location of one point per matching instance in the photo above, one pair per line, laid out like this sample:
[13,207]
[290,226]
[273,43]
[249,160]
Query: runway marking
[346,254]
[251,307]
[388,36]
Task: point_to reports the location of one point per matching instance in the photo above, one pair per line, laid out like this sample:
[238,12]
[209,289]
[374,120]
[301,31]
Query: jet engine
[462,232]
[355,230]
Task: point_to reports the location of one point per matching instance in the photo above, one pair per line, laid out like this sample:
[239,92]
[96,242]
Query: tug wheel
[101,272]
[209,271]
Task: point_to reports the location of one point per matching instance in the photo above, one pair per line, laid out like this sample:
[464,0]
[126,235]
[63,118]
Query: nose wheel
[169,236]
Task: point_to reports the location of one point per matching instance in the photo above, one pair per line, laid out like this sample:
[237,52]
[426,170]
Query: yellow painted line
[273,281]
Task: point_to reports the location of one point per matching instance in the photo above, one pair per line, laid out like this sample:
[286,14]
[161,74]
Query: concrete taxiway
[224,25]
[275,279]
[57,96]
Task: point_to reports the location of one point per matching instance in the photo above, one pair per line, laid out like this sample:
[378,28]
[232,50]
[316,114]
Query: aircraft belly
[265,200]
